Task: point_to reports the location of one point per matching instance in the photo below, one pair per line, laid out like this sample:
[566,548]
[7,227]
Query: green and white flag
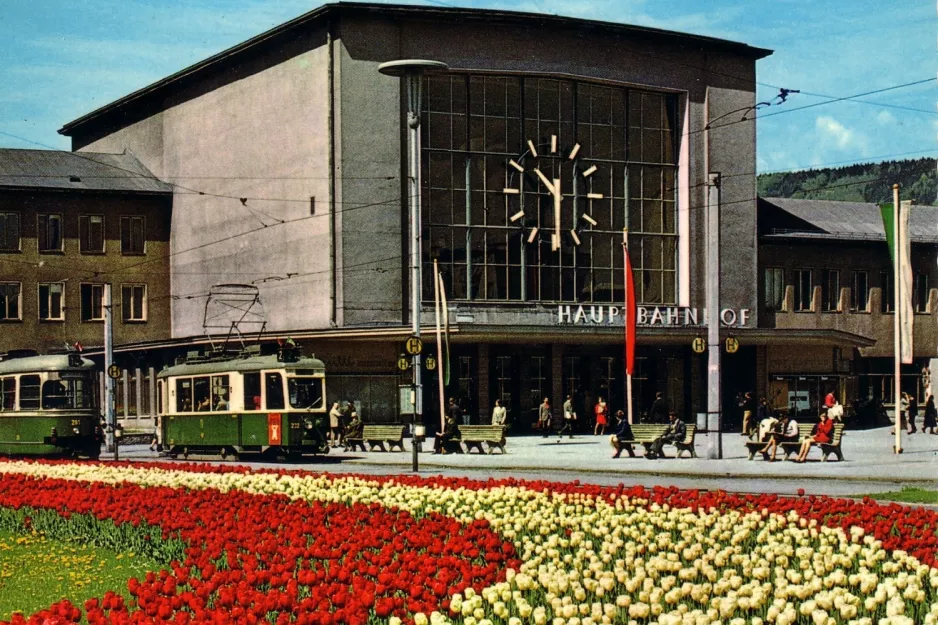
[901,252]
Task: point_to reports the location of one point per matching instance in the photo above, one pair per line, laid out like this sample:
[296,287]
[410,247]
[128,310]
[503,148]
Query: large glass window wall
[501,234]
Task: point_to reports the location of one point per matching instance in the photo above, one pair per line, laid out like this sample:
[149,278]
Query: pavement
[869,465]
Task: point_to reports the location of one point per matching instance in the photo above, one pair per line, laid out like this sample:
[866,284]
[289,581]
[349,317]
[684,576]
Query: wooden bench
[647,433]
[473,436]
[804,431]
[376,436]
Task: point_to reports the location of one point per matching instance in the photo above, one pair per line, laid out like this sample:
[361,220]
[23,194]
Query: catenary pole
[437,308]
[109,415]
[714,409]
[897,302]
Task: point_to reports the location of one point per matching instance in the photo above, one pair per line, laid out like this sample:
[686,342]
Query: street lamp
[412,71]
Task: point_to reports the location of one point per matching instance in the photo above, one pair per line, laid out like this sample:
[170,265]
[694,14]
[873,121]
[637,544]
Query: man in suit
[623,433]
[675,433]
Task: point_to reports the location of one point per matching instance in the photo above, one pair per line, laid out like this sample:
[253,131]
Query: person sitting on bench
[820,435]
[444,439]
[623,433]
[785,431]
[353,433]
[675,433]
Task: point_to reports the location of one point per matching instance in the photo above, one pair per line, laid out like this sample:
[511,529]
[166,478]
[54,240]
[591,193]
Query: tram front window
[305,392]
[69,394]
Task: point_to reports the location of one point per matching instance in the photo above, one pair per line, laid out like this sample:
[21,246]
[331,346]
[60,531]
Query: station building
[287,158]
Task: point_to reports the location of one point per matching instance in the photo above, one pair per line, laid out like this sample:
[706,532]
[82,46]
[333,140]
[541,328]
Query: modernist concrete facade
[288,159]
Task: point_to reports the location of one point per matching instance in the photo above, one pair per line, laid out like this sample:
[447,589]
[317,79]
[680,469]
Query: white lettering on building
[652,316]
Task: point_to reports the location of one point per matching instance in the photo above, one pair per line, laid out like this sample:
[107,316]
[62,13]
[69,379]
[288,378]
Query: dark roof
[76,171]
[852,221]
[453,14]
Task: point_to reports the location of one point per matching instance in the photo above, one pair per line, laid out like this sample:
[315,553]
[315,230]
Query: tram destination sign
[649,316]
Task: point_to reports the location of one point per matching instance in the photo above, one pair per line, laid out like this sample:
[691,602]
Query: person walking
[931,417]
[602,412]
[569,418]
[455,412]
[622,434]
[659,409]
[335,425]
[823,430]
[913,414]
[499,413]
[543,417]
[675,433]
[748,408]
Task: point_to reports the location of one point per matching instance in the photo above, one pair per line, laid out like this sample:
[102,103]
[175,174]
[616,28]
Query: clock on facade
[562,174]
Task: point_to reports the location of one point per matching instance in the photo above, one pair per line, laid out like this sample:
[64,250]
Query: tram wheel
[185,453]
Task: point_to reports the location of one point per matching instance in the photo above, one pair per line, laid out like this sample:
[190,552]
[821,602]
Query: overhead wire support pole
[109,414]
[714,408]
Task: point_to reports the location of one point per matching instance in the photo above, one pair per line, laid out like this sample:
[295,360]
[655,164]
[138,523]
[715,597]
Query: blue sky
[64,59]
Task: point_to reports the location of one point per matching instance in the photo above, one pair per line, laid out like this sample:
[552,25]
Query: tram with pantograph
[249,402]
[49,405]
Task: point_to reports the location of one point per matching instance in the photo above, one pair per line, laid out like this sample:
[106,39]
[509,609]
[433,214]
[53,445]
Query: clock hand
[557,198]
[546,182]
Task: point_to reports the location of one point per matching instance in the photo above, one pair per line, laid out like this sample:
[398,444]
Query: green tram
[48,405]
[245,403]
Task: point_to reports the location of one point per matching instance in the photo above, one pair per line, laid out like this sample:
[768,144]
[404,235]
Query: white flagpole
[897,302]
[439,340]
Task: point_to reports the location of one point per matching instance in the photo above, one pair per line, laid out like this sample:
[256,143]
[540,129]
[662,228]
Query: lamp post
[412,71]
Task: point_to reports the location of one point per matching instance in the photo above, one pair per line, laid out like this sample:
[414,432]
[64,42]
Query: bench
[376,436]
[647,433]
[473,436]
[804,431]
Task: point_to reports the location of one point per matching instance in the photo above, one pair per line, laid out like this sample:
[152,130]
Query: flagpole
[625,315]
[439,338]
[897,302]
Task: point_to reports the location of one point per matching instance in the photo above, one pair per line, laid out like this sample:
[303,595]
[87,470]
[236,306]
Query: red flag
[629,313]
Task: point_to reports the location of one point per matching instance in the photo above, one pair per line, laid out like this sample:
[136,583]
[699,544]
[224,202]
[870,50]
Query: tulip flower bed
[294,547]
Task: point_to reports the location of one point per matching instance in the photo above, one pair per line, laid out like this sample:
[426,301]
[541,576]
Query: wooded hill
[869,182]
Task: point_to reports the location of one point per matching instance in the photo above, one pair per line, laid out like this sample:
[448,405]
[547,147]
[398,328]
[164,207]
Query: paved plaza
[869,465]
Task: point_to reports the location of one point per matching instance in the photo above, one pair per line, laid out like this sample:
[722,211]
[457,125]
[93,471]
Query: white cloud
[885,118]
[835,133]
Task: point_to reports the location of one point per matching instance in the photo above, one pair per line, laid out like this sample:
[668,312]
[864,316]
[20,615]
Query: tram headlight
[76,430]
[308,423]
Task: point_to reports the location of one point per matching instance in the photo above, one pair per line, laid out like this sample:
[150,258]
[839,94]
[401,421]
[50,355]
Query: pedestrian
[820,435]
[913,413]
[748,409]
[543,417]
[352,434]
[569,418]
[444,439]
[903,410]
[675,433]
[931,417]
[455,412]
[762,412]
[659,409]
[499,413]
[622,436]
[830,399]
[602,413]
[335,425]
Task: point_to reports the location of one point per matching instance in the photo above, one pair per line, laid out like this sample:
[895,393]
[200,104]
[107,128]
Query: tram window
[55,395]
[252,391]
[29,392]
[8,394]
[200,395]
[274,386]
[184,395]
[305,392]
[220,392]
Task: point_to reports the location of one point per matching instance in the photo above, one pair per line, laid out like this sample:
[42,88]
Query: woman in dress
[602,412]
[931,417]
[821,435]
[335,424]
[499,413]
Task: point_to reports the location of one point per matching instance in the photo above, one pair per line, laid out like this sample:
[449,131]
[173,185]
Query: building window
[92,302]
[473,125]
[860,294]
[9,232]
[132,236]
[831,288]
[49,233]
[91,234]
[52,301]
[888,295]
[774,288]
[10,301]
[134,302]
[804,289]
[921,292]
